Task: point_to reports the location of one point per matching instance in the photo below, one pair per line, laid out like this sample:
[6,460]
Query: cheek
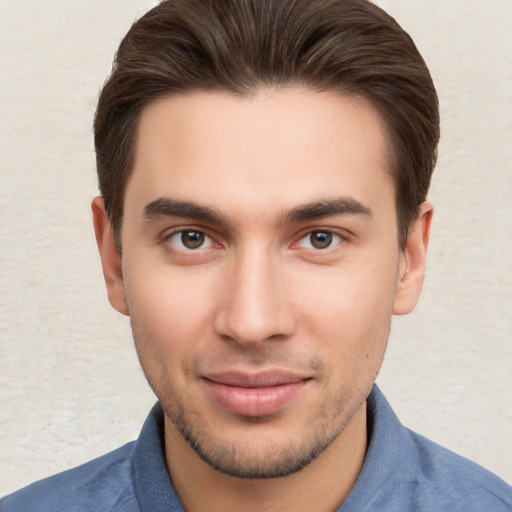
[350,305]
[169,310]
[167,331]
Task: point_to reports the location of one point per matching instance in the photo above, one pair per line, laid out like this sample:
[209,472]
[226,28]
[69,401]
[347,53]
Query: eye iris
[321,239]
[192,239]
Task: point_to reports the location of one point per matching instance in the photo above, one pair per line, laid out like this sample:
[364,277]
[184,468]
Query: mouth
[259,394]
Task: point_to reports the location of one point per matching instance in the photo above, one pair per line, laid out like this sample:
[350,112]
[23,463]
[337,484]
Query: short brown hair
[348,46]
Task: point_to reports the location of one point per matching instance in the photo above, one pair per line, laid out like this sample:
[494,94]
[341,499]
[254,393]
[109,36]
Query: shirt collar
[153,484]
[388,458]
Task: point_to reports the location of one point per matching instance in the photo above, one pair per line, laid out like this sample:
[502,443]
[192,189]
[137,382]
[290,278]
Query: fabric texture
[402,472]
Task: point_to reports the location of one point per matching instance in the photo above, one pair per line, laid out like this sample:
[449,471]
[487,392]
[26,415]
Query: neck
[322,485]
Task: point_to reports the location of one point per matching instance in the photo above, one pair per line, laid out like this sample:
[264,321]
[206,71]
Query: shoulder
[406,471]
[455,483]
[105,483]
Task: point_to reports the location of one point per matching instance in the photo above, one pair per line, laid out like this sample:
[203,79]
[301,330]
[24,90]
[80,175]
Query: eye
[190,239]
[320,239]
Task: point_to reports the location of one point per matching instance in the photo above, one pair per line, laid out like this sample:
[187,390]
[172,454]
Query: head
[350,47]
[263,166]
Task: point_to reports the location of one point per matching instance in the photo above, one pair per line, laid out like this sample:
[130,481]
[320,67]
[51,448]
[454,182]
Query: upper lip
[261,379]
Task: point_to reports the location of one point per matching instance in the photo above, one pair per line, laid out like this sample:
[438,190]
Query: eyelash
[331,237]
[182,231]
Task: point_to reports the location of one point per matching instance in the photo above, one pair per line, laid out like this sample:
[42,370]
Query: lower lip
[254,401]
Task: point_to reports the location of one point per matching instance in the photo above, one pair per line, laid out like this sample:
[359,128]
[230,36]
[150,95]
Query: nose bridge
[256,306]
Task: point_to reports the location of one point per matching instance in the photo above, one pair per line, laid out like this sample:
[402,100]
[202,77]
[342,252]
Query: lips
[259,394]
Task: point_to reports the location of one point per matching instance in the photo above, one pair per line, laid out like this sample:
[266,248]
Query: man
[264,167]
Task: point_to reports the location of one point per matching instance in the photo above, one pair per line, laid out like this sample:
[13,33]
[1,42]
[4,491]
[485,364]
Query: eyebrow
[167,207]
[327,208]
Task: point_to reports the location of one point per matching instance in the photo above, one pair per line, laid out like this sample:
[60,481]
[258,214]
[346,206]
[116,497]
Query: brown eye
[320,239]
[192,239]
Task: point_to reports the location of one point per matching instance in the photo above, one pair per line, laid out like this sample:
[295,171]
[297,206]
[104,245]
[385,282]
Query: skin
[291,265]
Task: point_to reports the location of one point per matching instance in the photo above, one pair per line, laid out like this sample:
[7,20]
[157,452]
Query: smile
[254,394]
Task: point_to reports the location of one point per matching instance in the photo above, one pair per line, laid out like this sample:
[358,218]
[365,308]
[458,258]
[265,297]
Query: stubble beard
[272,461]
[275,459]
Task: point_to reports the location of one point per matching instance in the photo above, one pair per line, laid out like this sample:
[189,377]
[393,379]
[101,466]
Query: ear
[412,262]
[110,256]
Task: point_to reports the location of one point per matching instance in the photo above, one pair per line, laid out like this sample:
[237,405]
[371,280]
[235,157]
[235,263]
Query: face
[260,269]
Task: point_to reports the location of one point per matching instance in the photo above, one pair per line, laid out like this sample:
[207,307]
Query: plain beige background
[70,385]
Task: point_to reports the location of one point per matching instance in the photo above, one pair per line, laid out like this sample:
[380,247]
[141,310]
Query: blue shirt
[402,472]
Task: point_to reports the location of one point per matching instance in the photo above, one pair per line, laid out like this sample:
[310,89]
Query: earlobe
[412,266]
[110,257]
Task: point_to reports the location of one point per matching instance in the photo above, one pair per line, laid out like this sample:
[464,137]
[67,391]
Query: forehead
[275,148]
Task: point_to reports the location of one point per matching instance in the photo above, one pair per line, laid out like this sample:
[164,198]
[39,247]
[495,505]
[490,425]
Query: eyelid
[168,234]
[343,236]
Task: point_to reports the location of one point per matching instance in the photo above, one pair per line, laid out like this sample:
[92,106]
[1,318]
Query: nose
[256,305]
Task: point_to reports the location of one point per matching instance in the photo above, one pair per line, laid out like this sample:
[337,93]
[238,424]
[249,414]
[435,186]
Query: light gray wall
[70,385]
